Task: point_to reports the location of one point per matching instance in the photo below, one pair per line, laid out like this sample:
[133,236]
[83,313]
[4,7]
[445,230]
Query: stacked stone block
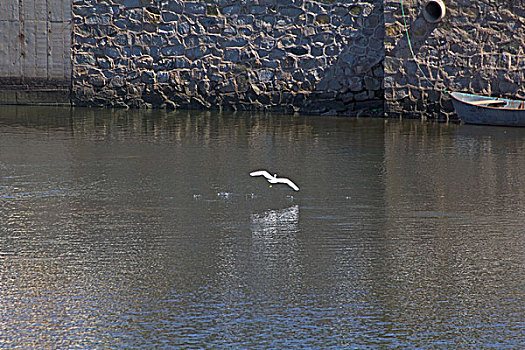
[322,57]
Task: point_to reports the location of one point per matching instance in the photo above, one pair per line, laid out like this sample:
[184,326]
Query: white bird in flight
[273,179]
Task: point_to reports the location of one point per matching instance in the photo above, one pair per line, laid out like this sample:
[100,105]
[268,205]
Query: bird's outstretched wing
[262,173]
[288,182]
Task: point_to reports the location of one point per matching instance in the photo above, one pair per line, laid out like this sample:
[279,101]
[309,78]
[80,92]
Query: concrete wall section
[9,50]
[478,47]
[35,51]
[322,57]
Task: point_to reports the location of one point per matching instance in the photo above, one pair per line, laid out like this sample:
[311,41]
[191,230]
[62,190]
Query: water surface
[143,229]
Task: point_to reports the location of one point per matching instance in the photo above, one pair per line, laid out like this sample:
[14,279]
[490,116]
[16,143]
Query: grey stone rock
[401,93]
[108,73]
[115,10]
[117,81]
[291,11]
[175,6]
[112,52]
[236,42]
[347,97]
[99,51]
[166,28]
[84,11]
[243,20]
[99,19]
[120,23]
[371,83]
[104,63]
[133,26]
[269,63]
[154,52]
[163,77]
[331,50]
[298,50]
[131,4]
[148,77]
[355,84]
[149,27]
[85,59]
[121,40]
[289,62]
[245,32]
[276,54]
[265,75]
[316,50]
[97,81]
[86,41]
[168,16]
[103,31]
[181,62]
[229,31]
[208,22]
[183,28]
[191,41]
[231,10]
[136,51]
[232,55]
[101,9]
[176,50]
[362,96]
[196,52]
[195,8]
[334,84]
[257,9]
[153,97]
[325,38]
[508,87]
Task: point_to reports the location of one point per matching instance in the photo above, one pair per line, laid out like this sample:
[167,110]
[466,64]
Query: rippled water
[129,229]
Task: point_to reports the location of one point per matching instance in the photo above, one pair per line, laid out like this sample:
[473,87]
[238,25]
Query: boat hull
[482,110]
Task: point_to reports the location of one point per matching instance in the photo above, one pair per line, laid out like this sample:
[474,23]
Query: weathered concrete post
[35,51]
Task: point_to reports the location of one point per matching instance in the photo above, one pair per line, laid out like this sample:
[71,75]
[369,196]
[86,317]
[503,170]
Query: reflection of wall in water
[447,186]
[463,158]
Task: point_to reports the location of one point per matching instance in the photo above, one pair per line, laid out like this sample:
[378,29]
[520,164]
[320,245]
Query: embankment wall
[328,57]
[322,57]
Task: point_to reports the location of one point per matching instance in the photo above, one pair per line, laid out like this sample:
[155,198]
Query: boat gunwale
[481,98]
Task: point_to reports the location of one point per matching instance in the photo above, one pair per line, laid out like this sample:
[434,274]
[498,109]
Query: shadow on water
[126,228]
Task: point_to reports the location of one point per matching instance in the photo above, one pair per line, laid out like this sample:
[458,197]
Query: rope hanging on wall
[414,54]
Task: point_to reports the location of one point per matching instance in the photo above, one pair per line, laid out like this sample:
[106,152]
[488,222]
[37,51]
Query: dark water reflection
[128,229]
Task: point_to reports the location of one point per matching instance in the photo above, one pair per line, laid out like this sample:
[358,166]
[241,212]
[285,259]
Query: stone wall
[322,57]
[328,57]
[478,47]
